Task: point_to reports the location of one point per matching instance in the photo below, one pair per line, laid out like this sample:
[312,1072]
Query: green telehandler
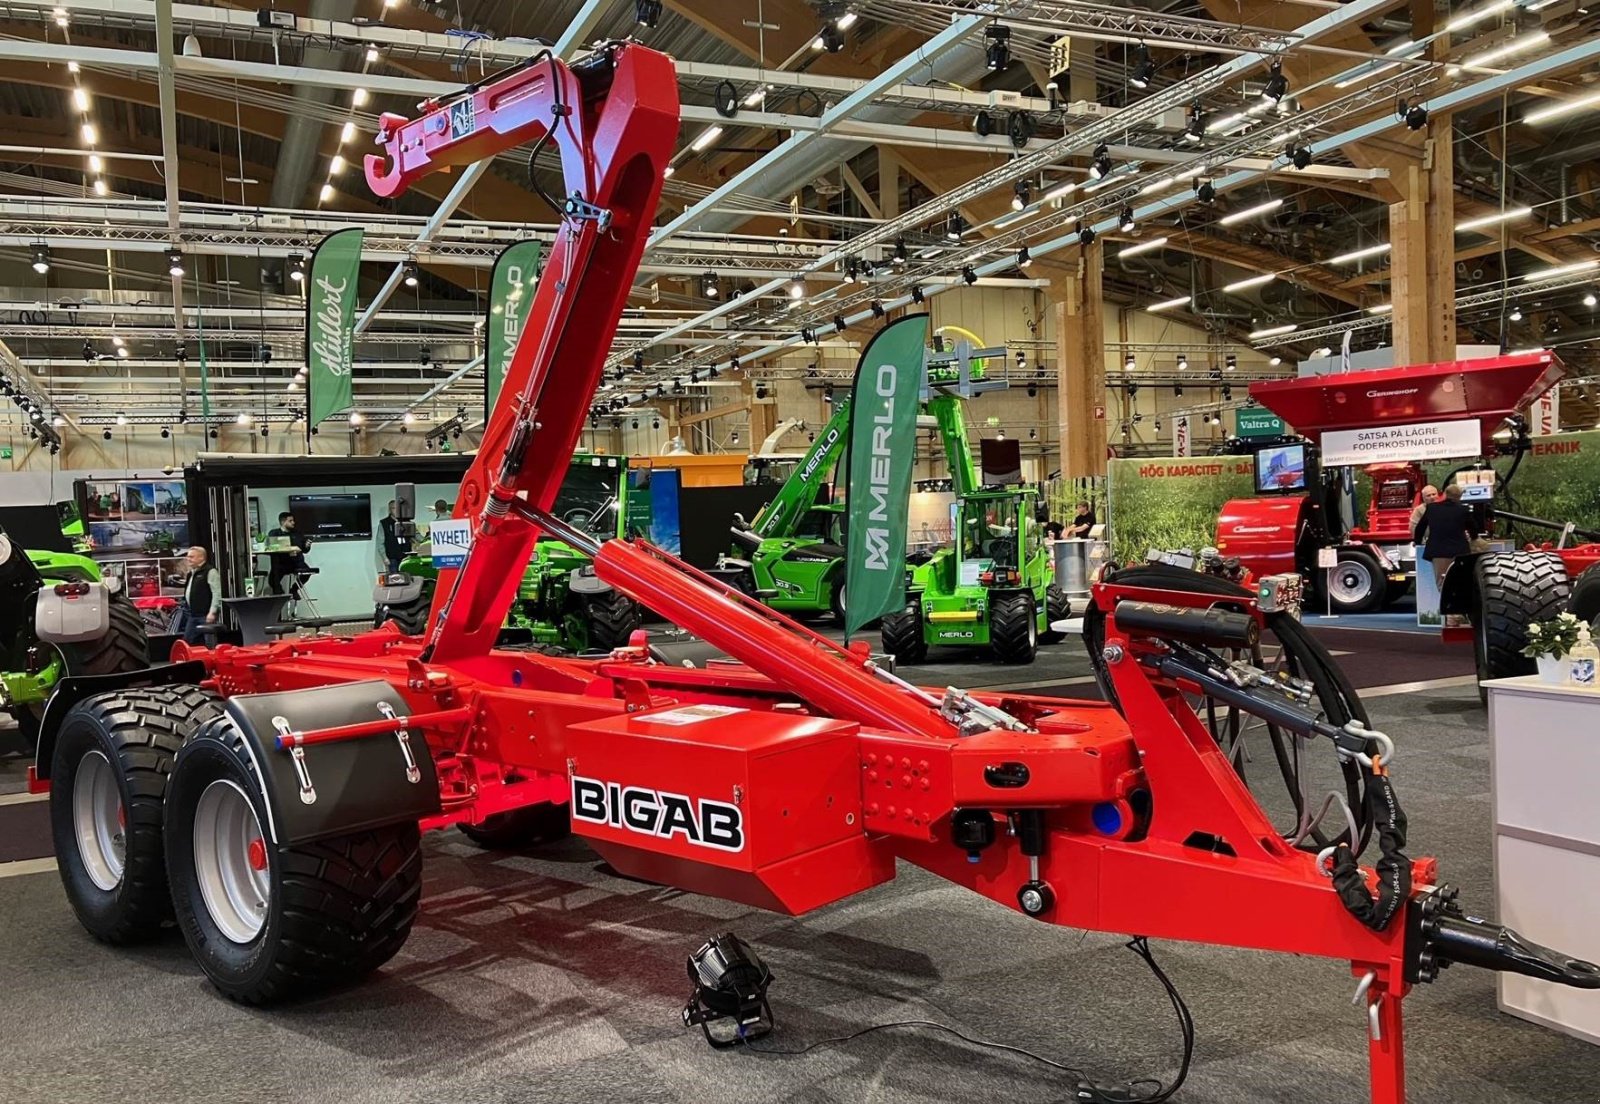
[58,617]
[560,601]
[994,587]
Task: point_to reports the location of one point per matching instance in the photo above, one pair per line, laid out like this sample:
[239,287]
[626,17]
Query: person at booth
[1447,530]
[202,597]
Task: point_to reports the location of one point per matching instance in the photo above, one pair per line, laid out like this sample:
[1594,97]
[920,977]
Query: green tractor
[58,617]
[995,587]
[561,601]
[791,556]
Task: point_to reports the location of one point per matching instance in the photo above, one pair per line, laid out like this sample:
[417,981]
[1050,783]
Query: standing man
[202,596]
[285,565]
[1446,531]
[395,548]
[441,510]
[1429,495]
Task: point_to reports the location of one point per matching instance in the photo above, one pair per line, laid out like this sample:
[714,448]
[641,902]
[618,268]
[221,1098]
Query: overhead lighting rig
[997,46]
[1144,69]
[1277,86]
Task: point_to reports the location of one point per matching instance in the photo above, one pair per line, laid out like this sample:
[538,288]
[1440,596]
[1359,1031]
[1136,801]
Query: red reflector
[256,853]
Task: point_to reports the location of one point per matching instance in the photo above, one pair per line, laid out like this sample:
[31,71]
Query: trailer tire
[1585,601]
[1515,589]
[520,828]
[124,647]
[902,637]
[269,922]
[109,772]
[1357,583]
[1057,607]
[612,617]
[1014,628]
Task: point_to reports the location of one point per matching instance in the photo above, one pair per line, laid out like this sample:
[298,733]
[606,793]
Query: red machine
[1374,562]
[273,795]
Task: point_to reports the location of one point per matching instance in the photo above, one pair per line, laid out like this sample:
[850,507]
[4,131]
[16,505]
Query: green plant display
[1171,503]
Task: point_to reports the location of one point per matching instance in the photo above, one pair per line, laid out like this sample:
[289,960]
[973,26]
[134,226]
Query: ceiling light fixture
[1168,304]
[1024,258]
[1381,308]
[797,289]
[1195,128]
[1277,85]
[409,269]
[175,262]
[709,287]
[1359,254]
[1509,215]
[1274,331]
[1561,270]
[1125,221]
[1144,70]
[1566,107]
[1021,193]
[1143,247]
[1100,163]
[997,46]
[646,12]
[707,136]
[1251,212]
[41,258]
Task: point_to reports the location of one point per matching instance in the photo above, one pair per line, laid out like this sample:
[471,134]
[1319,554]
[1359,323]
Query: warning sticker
[693,714]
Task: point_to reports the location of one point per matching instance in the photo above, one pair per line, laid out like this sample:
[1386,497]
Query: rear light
[71,590]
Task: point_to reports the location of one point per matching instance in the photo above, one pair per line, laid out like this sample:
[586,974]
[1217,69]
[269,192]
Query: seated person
[1083,523]
[285,565]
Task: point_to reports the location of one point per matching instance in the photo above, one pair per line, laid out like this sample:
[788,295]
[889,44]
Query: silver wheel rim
[1033,628]
[1352,583]
[97,821]
[226,832]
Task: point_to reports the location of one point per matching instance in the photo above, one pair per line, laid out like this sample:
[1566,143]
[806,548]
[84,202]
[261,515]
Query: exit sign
[1253,421]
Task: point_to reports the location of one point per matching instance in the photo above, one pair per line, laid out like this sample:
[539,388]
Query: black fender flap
[72,689]
[1460,592]
[354,784]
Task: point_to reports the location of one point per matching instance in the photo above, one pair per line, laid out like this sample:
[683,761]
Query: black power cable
[1085,1090]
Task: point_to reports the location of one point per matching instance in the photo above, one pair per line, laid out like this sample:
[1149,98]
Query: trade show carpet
[543,977]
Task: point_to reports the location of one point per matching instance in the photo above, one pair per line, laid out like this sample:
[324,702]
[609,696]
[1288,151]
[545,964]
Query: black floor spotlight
[730,983]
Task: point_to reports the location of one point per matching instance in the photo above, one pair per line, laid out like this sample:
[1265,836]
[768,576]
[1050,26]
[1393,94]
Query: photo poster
[138,516]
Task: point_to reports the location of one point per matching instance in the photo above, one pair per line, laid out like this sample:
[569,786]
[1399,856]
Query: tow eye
[1438,933]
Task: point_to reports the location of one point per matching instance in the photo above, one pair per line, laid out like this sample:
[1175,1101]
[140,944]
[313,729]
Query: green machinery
[58,617]
[561,602]
[789,556]
[993,587]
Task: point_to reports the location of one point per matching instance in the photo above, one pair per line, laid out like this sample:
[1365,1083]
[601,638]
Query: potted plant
[1548,644]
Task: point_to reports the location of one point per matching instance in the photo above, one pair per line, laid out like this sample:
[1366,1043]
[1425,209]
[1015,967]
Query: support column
[1422,258]
[1081,366]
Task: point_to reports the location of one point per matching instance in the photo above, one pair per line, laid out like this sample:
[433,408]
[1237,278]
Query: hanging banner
[883,434]
[510,298]
[1547,413]
[330,324]
[1254,421]
[1182,444]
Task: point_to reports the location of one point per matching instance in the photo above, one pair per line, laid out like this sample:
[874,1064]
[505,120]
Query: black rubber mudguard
[355,784]
[72,689]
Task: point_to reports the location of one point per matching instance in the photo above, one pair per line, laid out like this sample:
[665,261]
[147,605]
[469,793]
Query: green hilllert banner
[882,449]
[510,297]
[330,324]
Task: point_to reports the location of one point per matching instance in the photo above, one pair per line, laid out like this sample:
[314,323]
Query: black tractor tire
[411,619]
[612,617]
[124,647]
[1057,608]
[1358,584]
[1585,601]
[131,737]
[902,636]
[836,598]
[520,828]
[1014,628]
[335,909]
[1515,589]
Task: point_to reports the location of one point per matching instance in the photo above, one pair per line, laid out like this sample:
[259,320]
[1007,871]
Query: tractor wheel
[903,637]
[268,922]
[1356,584]
[1515,589]
[124,647]
[1014,628]
[411,618]
[836,599]
[1585,601]
[1056,608]
[108,779]
[520,827]
[612,617]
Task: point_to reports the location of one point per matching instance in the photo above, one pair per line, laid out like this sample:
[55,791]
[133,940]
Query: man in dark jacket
[202,597]
[1446,531]
[396,547]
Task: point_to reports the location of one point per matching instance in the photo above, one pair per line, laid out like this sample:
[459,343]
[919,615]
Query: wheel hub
[231,861]
[99,822]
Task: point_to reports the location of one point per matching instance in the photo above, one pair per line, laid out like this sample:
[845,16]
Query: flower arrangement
[1555,637]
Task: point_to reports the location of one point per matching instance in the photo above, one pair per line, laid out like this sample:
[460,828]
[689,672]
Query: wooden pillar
[1422,255]
[1081,366]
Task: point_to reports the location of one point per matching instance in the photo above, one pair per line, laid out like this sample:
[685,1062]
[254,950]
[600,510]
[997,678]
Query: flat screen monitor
[1281,469]
[332,516]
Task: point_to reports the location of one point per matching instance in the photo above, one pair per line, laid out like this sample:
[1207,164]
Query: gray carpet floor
[542,977]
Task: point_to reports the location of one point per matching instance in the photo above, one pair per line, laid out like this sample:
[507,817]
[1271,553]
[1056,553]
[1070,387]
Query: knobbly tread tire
[902,637]
[411,619]
[520,828]
[340,907]
[124,647]
[1013,628]
[1514,590]
[1057,608]
[612,618]
[140,731]
[1584,602]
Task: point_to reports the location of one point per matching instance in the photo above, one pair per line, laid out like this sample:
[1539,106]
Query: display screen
[1281,469]
[332,516]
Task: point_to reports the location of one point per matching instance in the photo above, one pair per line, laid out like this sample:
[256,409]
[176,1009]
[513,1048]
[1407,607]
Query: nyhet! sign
[1387,444]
